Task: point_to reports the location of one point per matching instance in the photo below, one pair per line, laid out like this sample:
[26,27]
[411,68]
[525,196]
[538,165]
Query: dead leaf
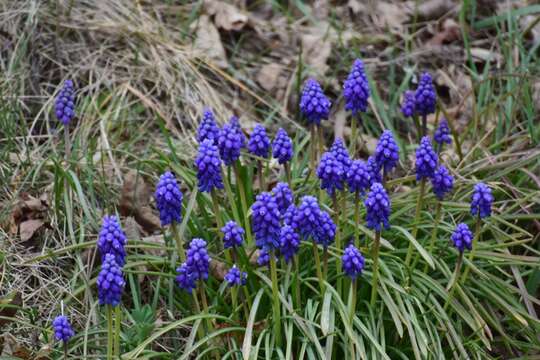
[208,44]
[148,220]
[226,16]
[485,55]
[531,27]
[450,32]
[28,228]
[268,76]
[218,269]
[434,9]
[317,47]
[340,123]
[391,16]
[356,7]
[29,207]
[134,201]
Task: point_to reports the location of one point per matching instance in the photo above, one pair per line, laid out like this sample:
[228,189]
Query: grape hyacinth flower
[283,195]
[387,151]
[62,329]
[481,201]
[358,178]
[208,129]
[64,106]
[342,155]
[425,96]
[377,208]
[442,182]
[331,173]
[289,242]
[235,277]
[264,257]
[259,144]
[326,230]
[110,282]
[282,147]
[374,170]
[185,278]
[462,237]
[356,89]
[442,134]
[314,105]
[426,159]
[408,104]
[233,235]
[353,261]
[288,216]
[112,240]
[169,199]
[230,141]
[307,217]
[208,166]
[198,260]
[266,221]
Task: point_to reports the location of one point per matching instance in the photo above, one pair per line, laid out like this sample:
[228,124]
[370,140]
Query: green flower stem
[318,267]
[65,350]
[296,283]
[178,239]
[438,217]
[325,263]
[205,306]
[417,125]
[234,297]
[375,255]
[275,298]
[117,327]
[356,219]
[338,239]
[353,137]
[477,231]
[242,191]
[217,214]
[321,143]
[454,280]
[110,339]
[313,147]
[352,301]
[200,330]
[424,125]
[230,196]
[261,175]
[414,232]
[287,167]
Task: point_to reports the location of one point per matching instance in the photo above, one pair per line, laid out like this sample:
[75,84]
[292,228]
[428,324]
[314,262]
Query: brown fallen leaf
[434,9]
[28,228]
[450,32]
[135,200]
[268,76]
[317,47]
[390,16]
[226,16]
[207,44]
[218,269]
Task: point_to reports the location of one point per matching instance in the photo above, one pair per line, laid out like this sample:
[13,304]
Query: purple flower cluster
[112,240]
[266,221]
[310,221]
[231,140]
[64,105]
[374,170]
[481,200]
[259,143]
[462,237]
[331,173]
[356,89]
[358,178]
[342,155]
[326,230]
[282,147]
[197,260]
[387,151]
[208,166]
[314,105]
[235,277]
[426,159]
[442,182]
[353,261]
[408,104]
[288,216]
[208,129]
[377,208]
[283,195]
[185,278]
[289,242]
[168,199]
[425,95]
[264,257]
[110,282]
[62,329]
[233,235]
[442,134]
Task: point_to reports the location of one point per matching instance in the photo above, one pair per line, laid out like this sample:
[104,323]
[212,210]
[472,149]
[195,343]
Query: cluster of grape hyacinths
[408,104]
[356,89]
[64,106]
[442,134]
[342,156]
[264,257]
[197,259]
[266,221]
[481,201]
[462,237]
[387,152]
[374,170]
[289,242]
[62,329]
[358,177]
[426,159]
[377,208]
[442,182]
[110,282]
[231,140]
[306,218]
[326,230]
[283,195]
[208,166]
[235,277]
[208,129]
[352,261]
[331,173]
[314,105]
[185,279]
[112,240]
[168,199]
[425,96]
[282,147]
[233,235]
[259,143]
